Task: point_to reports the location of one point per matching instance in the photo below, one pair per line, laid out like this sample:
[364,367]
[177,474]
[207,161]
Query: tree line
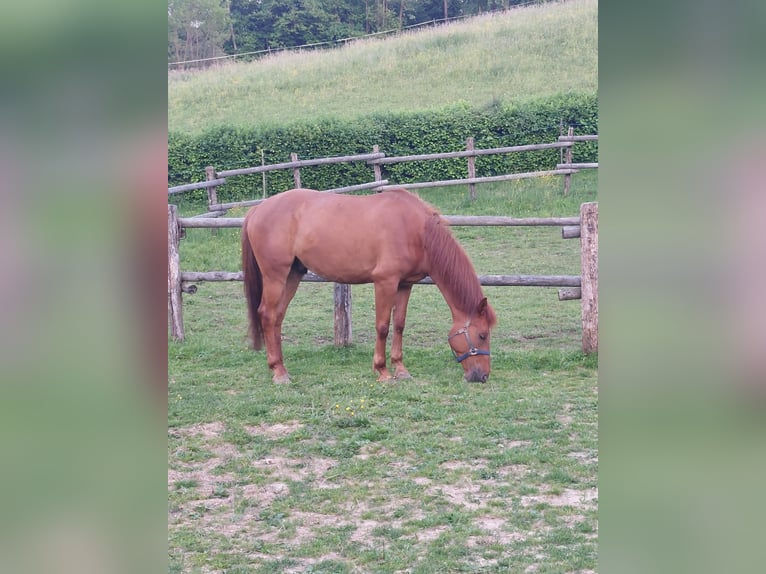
[202,29]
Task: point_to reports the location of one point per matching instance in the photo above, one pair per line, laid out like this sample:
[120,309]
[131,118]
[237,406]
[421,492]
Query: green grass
[525,53]
[336,472]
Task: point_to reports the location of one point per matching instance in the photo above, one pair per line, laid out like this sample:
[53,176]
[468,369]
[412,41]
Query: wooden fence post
[342,314]
[376,166]
[212,192]
[568,159]
[296,170]
[589,275]
[471,167]
[175,310]
[212,195]
[263,174]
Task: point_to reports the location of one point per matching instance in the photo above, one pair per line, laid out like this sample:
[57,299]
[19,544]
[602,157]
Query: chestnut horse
[391,239]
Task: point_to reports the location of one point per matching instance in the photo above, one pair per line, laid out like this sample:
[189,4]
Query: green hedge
[403,134]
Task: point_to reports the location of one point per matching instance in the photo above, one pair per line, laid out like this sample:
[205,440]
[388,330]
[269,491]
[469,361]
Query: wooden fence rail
[249,203]
[583,286]
[297,164]
[487,179]
[471,153]
[457,220]
[486,280]
[198,185]
[573,138]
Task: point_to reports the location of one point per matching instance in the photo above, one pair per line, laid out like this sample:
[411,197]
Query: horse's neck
[457,292]
[451,270]
[459,315]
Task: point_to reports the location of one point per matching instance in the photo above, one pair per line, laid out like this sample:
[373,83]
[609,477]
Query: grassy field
[338,473]
[528,52]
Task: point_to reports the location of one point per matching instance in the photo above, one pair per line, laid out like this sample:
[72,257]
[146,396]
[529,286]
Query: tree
[306,22]
[196,29]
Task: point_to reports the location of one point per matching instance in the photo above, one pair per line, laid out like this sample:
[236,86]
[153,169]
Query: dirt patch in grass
[513,471]
[372,450]
[515,443]
[264,495]
[305,564]
[274,430]
[203,430]
[463,465]
[281,467]
[430,534]
[364,530]
[584,457]
[203,474]
[581,499]
[464,493]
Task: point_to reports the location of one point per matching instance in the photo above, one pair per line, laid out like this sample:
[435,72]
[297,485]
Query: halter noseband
[472,351]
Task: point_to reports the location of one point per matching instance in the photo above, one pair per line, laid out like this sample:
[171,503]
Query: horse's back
[351,239]
[337,214]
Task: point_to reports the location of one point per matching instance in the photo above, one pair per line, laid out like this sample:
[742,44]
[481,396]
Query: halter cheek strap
[472,351]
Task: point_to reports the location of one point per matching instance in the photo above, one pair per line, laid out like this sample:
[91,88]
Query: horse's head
[469,341]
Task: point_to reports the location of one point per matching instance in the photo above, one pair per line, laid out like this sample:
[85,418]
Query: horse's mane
[450,267]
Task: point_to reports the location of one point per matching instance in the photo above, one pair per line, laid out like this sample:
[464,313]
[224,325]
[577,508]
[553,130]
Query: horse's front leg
[400,316]
[384,302]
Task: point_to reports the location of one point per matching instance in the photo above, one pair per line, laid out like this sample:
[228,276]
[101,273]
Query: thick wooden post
[175,310]
[296,170]
[568,159]
[471,167]
[342,314]
[589,275]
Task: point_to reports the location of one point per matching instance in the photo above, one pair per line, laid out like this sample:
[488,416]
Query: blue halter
[472,351]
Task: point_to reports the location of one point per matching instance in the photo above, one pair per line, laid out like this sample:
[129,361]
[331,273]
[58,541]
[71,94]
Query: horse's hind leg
[276,297]
[291,286]
[271,314]
[400,315]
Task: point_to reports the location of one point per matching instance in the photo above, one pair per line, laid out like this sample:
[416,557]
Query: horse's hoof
[403,376]
[281,379]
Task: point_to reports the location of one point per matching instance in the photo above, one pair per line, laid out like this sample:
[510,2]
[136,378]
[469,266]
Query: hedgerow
[537,121]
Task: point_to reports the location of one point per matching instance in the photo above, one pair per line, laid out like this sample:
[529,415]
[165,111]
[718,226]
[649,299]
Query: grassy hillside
[523,54]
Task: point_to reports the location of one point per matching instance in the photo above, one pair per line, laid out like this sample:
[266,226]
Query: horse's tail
[253,289]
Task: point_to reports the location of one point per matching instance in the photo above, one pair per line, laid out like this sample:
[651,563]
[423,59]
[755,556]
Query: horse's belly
[346,259]
[337,265]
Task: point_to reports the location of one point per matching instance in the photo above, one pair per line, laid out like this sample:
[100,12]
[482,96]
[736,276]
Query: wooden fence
[584,226]
[583,286]
[376,159]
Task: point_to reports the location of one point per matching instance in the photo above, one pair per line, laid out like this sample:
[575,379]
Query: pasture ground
[338,473]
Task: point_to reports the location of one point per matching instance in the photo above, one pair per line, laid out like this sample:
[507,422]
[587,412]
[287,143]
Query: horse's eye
[483,336]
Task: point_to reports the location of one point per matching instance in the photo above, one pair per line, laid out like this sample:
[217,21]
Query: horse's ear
[487,312]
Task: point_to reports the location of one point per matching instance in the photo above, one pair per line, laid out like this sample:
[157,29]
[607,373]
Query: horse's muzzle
[476,376]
